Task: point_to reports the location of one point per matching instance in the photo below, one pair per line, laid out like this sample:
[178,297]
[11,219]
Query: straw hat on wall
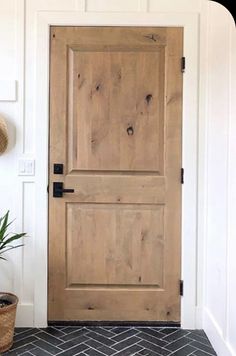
[3,135]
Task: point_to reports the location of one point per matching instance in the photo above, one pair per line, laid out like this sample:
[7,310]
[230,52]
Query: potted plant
[8,301]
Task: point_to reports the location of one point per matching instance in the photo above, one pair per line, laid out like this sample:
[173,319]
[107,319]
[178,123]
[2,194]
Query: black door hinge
[183,64]
[182,176]
[48,188]
[181,288]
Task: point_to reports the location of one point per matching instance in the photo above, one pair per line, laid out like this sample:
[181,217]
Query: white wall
[215,302]
[220,243]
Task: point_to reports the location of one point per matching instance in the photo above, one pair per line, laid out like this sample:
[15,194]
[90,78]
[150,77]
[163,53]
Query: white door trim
[190,22]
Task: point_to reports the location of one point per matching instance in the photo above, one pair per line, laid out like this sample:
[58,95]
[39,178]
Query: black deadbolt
[58,168]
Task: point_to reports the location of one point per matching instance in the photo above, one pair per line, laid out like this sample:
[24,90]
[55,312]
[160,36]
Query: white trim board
[215,334]
[8,90]
[190,129]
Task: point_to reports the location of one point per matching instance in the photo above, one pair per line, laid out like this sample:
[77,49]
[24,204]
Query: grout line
[100,344]
[17,348]
[172,352]
[74,347]
[155,337]
[38,347]
[127,338]
[161,347]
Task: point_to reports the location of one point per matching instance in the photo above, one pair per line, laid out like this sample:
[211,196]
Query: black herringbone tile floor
[117,341]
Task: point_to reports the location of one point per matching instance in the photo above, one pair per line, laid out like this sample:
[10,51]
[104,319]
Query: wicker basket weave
[7,322]
[3,136]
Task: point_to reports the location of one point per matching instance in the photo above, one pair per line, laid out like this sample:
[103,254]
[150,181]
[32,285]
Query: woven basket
[7,322]
[3,136]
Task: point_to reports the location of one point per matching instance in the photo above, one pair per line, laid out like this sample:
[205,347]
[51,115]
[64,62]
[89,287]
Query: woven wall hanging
[3,136]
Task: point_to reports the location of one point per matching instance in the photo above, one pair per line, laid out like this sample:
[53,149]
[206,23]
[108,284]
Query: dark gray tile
[93,352]
[125,335]
[94,343]
[49,338]
[107,350]
[200,353]
[146,352]
[74,350]
[125,343]
[78,340]
[70,329]
[203,347]
[185,351]
[25,341]
[44,345]
[20,330]
[200,333]
[168,331]
[100,338]
[154,348]
[176,335]
[103,332]
[129,351]
[24,334]
[53,331]
[39,352]
[110,341]
[74,334]
[120,329]
[20,350]
[153,332]
[152,339]
[175,345]
[204,340]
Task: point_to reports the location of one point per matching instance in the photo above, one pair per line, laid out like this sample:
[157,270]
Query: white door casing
[190,128]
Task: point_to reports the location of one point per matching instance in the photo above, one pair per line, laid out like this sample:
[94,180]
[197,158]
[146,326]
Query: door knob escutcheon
[58,190]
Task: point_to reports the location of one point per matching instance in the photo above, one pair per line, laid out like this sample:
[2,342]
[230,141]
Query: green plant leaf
[7,238]
[10,248]
[11,239]
[4,226]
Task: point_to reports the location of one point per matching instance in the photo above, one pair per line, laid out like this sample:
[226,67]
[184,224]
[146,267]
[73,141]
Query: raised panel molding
[216,335]
[91,137]
[8,90]
[175,6]
[107,263]
[25,315]
[114,5]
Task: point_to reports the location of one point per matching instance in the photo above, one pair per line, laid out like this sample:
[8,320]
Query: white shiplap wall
[216,296]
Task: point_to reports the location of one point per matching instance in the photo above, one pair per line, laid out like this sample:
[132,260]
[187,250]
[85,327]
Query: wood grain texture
[111,245]
[115,124]
[127,134]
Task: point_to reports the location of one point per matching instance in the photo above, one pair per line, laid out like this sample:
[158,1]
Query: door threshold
[169,324]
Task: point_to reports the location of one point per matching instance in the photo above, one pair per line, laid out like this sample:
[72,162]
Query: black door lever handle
[68,191]
[58,190]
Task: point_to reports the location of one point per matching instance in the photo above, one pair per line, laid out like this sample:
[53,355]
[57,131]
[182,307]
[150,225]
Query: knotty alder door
[115,125]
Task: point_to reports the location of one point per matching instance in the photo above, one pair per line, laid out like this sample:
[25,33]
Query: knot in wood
[130,131]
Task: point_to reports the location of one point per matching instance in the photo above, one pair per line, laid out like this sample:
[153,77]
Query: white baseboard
[215,335]
[199,318]
[25,315]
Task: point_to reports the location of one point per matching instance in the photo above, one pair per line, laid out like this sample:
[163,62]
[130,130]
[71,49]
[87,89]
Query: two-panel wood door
[115,125]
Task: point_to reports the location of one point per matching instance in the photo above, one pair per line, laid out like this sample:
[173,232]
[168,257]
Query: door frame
[190,23]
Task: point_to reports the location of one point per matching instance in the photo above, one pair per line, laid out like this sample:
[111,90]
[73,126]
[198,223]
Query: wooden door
[115,125]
